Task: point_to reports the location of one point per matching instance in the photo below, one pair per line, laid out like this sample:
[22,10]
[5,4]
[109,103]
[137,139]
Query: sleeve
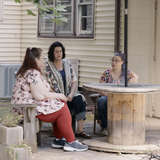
[50,79]
[33,77]
[48,75]
[37,86]
[73,74]
[104,77]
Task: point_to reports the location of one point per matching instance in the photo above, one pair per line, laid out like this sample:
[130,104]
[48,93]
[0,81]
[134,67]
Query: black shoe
[58,143]
[83,135]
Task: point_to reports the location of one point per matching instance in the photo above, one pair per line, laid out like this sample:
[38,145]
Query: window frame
[75,26]
[79,19]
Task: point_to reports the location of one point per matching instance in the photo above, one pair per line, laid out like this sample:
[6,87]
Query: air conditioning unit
[7,79]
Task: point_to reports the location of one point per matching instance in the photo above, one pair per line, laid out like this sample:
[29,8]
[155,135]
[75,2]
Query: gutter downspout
[155,30]
[117,25]
[126,41]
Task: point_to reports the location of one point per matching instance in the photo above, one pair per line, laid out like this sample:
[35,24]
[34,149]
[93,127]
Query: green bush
[10,119]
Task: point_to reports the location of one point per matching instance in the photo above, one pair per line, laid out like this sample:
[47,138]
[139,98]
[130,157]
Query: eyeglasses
[116,60]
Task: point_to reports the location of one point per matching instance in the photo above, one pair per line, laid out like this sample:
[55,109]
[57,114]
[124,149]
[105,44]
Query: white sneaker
[75,146]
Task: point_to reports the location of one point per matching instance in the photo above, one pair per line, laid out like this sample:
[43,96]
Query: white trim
[79,16]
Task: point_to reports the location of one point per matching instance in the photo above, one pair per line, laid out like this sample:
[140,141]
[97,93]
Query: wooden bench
[31,124]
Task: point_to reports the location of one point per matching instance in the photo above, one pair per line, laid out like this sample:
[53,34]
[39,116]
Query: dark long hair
[30,60]
[52,48]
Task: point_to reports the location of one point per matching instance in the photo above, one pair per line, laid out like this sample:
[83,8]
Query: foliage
[12,152]
[11,119]
[53,13]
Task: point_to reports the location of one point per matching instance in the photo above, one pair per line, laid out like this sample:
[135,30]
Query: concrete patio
[48,153]
[152,137]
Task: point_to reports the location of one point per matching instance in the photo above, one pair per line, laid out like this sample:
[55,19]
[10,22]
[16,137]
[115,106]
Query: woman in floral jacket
[113,75]
[32,88]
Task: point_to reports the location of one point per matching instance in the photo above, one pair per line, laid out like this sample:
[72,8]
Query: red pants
[62,123]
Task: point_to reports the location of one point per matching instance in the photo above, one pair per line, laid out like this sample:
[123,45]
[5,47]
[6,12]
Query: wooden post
[30,137]
[126,118]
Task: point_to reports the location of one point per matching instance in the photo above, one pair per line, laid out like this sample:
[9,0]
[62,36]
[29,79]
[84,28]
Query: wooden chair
[94,98]
[92,105]
[91,98]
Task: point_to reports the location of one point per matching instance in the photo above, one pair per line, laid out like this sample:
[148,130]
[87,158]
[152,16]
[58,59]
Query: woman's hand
[58,96]
[133,78]
[69,97]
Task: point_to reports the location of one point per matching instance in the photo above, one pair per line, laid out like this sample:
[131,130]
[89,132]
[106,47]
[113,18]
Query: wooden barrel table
[126,111]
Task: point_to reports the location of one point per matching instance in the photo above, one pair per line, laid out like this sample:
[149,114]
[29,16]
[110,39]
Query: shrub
[11,119]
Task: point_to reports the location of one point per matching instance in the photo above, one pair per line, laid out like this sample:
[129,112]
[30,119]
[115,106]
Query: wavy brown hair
[30,60]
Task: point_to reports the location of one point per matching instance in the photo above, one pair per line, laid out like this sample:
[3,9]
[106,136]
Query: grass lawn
[5,108]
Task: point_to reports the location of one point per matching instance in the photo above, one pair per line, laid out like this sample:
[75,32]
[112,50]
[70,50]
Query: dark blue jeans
[102,110]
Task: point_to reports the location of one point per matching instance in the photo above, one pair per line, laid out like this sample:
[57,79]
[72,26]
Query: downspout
[155,30]
[117,25]
[126,41]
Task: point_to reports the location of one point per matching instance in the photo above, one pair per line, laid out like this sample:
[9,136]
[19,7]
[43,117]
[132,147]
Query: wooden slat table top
[132,88]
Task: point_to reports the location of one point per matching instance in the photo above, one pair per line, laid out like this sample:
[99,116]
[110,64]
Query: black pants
[77,106]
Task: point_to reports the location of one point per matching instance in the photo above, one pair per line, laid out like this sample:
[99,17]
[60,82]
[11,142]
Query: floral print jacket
[107,77]
[22,93]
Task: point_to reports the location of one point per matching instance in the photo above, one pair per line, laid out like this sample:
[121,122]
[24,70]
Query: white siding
[19,31]
[1,10]
[94,54]
[142,46]
[10,31]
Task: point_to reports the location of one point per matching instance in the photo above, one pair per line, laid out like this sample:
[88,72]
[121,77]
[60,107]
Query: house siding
[19,31]
[94,54]
[10,32]
[143,48]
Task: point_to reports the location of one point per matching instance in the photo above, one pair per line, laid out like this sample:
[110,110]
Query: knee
[102,102]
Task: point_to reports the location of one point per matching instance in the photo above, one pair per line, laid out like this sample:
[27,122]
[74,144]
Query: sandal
[83,134]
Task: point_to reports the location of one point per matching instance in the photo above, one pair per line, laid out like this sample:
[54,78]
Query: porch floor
[152,137]
[48,153]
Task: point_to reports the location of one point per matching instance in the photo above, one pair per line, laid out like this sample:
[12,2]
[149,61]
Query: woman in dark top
[62,78]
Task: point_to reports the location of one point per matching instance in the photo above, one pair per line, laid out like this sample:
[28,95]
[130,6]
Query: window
[80,20]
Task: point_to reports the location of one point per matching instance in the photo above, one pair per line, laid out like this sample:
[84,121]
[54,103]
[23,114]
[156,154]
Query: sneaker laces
[76,142]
